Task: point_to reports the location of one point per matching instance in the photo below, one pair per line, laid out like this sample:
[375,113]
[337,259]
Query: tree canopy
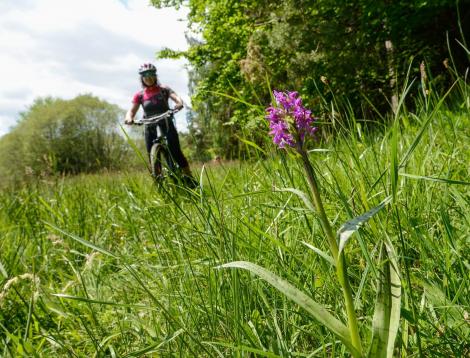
[356,51]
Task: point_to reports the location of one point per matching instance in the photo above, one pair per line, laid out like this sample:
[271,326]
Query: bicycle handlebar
[157,118]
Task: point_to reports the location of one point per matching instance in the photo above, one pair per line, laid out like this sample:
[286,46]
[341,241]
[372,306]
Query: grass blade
[301,195]
[425,125]
[3,271]
[107,303]
[153,348]
[351,226]
[252,144]
[386,319]
[394,160]
[395,289]
[438,180]
[243,348]
[314,308]
[136,149]
[452,314]
[320,253]
[82,241]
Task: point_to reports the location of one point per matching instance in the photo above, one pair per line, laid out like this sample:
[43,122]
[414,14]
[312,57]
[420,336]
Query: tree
[63,136]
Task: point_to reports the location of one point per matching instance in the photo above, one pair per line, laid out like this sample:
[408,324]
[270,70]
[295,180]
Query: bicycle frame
[159,145]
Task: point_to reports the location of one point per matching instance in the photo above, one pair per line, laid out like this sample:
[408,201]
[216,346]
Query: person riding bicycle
[154,100]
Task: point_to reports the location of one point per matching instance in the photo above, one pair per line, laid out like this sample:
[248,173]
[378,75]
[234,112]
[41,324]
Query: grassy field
[107,265]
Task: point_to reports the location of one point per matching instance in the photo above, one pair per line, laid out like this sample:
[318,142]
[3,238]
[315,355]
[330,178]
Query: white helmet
[147,67]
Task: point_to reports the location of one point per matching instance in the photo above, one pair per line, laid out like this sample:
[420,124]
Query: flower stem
[319,205]
[341,264]
[342,272]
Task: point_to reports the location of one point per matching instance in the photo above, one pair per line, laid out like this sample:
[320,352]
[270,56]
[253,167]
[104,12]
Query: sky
[63,48]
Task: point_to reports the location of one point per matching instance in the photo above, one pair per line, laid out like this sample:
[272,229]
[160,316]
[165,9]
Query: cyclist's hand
[178,107]
[129,121]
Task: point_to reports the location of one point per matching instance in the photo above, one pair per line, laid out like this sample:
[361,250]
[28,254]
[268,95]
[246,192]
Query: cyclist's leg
[174,146]
[177,155]
[150,134]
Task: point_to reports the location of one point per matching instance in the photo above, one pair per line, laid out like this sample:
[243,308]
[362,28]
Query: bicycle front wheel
[156,160]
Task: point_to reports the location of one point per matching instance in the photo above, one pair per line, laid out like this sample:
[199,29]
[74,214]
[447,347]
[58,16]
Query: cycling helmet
[147,67]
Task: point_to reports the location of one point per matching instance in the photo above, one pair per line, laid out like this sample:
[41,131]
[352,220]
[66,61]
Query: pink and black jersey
[154,100]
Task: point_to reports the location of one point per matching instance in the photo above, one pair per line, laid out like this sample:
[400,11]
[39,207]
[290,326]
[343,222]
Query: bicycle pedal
[159,178]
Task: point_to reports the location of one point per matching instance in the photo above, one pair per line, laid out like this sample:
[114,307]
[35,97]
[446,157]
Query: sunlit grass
[124,269]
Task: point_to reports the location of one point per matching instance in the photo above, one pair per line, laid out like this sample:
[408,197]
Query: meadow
[109,265]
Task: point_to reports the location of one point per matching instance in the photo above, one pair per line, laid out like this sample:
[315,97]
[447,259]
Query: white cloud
[62,48]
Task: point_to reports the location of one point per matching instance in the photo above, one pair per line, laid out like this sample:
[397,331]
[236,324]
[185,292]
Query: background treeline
[350,54]
[56,136]
[350,61]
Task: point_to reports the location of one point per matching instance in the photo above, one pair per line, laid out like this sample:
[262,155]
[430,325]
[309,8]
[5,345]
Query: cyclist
[154,100]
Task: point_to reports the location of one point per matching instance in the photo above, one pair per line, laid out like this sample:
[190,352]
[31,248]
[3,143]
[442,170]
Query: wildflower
[290,121]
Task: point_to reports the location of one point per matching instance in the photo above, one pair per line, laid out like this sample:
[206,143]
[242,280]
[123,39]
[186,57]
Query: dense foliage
[56,136]
[325,49]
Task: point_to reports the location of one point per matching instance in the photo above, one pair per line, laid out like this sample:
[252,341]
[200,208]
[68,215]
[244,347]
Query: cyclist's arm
[131,113]
[177,99]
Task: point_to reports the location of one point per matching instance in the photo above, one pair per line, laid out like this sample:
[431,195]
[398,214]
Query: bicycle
[160,149]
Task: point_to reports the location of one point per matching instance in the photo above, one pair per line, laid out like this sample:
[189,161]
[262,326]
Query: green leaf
[301,195]
[315,309]
[386,319]
[351,226]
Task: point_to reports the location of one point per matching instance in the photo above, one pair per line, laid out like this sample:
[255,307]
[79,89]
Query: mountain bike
[160,150]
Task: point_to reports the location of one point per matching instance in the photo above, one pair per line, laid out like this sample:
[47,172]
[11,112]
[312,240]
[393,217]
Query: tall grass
[119,268]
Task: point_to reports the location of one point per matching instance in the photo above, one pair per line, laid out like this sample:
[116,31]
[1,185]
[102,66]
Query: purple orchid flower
[289,121]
